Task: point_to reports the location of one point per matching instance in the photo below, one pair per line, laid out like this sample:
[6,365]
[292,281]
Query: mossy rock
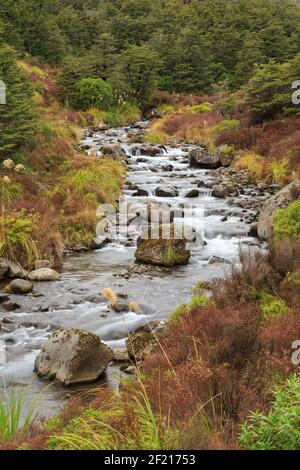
[162,246]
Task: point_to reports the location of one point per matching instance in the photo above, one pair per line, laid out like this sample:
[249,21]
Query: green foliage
[92,93]
[156,137]
[12,420]
[176,316]
[226,125]
[17,237]
[226,150]
[287,222]
[127,113]
[279,429]
[202,108]
[272,306]
[278,170]
[98,429]
[138,70]
[200,301]
[199,43]
[17,119]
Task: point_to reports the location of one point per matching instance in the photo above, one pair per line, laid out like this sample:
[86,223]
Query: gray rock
[164,245]
[20,286]
[42,263]
[220,192]
[279,201]
[43,274]
[73,356]
[161,192]
[200,157]
[9,306]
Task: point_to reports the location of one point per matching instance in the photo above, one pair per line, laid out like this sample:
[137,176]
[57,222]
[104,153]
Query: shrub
[272,306]
[92,93]
[279,429]
[226,125]
[177,315]
[287,222]
[253,163]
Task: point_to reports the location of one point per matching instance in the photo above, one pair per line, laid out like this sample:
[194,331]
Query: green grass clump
[156,137]
[200,301]
[10,192]
[226,125]
[108,428]
[17,237]
[287,222]
[177,314]
[127,113]
[103,178]
[272,306]
[226,150]
[279,429]
[202,108]
[11,421]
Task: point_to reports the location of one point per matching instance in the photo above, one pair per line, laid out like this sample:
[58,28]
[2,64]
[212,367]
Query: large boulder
[73,356]
[20,286]
[201,158]
[279,201]
[43,274]
[162,245]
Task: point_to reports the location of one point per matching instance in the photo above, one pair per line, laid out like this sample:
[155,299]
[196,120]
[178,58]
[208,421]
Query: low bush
[279,428]
[224,126]
[287,222]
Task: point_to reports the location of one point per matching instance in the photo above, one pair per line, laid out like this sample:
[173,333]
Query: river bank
[76,301]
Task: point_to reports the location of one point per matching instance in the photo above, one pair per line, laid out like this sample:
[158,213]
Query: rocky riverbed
[221,205]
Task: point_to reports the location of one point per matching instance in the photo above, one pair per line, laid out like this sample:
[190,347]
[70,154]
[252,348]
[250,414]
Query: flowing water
[75,300]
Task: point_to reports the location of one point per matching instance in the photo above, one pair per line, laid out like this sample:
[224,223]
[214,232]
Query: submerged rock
[73,356]
[279,201]
[193,193]
[43,274]
[163,245]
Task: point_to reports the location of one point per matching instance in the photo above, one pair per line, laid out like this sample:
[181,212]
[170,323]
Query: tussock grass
[11,406]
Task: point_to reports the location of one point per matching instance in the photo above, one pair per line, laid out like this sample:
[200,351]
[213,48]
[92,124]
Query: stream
[75,300]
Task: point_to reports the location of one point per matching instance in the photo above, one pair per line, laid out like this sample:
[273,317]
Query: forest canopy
[186,46]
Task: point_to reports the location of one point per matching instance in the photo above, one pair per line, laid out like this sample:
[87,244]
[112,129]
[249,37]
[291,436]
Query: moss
[287,222]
